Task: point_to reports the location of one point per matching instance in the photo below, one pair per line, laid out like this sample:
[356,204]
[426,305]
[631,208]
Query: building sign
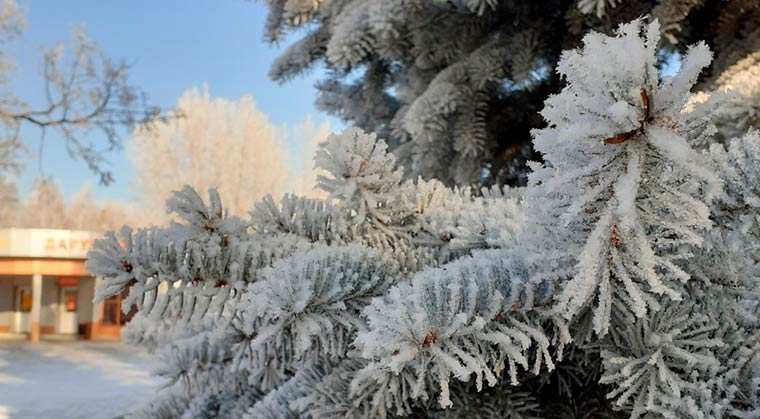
[45,243]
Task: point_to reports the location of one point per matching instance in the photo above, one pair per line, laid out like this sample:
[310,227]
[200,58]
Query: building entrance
[23,308]
[68,322]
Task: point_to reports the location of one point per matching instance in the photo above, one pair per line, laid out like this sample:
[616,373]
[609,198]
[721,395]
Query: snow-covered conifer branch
[498,403]
[307,305]
[312,219]
[361,176]
[731,253]
[471,317]
[463,220]
[183,272]
[628,198]
[634,247]
[657,358]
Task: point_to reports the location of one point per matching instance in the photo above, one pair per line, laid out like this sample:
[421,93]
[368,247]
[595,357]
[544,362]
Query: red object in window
[70,300]
[25,301]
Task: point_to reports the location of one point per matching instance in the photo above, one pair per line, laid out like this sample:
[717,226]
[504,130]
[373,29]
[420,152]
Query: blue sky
[172,45]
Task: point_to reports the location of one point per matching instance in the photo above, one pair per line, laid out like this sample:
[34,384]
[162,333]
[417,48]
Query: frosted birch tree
[225,144]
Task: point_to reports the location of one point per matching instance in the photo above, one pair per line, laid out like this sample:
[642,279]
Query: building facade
[46,290]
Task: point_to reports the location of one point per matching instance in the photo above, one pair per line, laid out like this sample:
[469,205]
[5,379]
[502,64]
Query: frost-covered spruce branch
[454,85]
[307,307]
[181,273]
[399,298]
[220,297]
[627,212]
[624,213]
[624,197]
[471,318]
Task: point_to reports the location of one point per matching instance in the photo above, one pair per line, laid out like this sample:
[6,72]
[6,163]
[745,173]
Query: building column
[34,336]
[97,310]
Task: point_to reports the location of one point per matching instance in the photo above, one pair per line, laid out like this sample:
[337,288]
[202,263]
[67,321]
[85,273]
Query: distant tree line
[46,207]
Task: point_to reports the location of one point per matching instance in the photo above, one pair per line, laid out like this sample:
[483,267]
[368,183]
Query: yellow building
[46,290]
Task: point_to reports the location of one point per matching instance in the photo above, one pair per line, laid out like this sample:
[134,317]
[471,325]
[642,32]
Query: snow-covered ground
[72,380]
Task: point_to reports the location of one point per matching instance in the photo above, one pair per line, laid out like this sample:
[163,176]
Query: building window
[70,300]
[25,301]
[112,310]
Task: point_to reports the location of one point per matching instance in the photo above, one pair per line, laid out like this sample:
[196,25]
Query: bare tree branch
[87,96]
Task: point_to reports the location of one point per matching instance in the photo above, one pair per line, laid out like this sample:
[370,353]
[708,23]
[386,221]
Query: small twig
[635,133]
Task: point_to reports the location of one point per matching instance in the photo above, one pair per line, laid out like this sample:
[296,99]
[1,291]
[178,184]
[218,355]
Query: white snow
[69,380]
